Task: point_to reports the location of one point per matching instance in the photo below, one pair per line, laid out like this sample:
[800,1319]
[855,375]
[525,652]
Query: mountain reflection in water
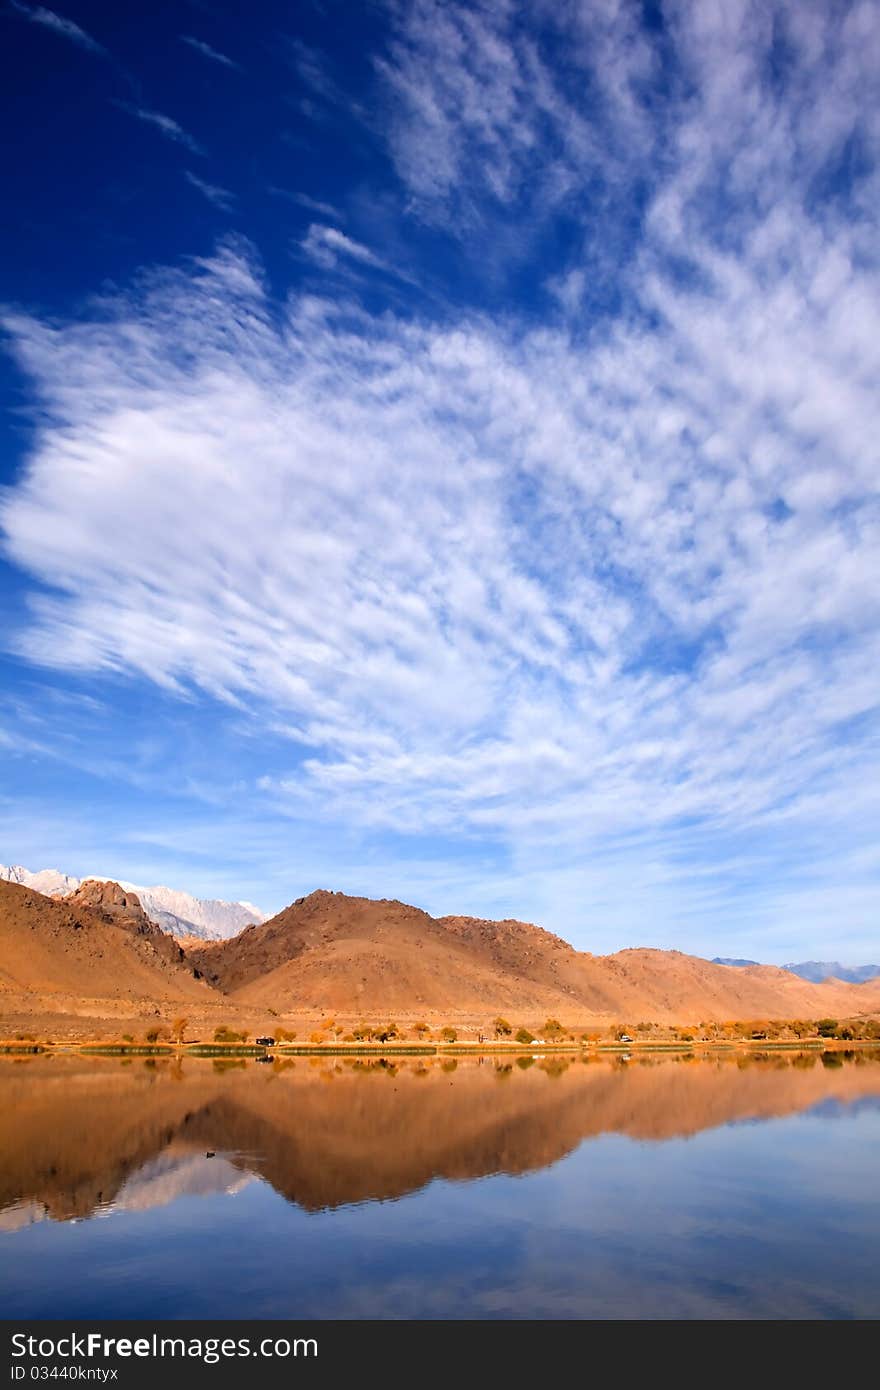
[83,1136]
[555,1187]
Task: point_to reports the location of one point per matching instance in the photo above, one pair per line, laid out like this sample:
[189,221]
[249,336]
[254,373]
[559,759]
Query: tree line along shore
[498,1035]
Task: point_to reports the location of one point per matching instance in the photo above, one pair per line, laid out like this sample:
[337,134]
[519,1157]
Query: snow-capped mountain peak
[178,912]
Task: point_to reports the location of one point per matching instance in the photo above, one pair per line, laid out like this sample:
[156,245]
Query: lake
[675,1186]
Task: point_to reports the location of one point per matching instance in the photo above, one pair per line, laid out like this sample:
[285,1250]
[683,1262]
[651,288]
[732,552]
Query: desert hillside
[358,955]
[97,953]
[97,944]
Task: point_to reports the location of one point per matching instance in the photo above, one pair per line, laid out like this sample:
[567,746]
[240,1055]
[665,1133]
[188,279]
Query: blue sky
[440,459]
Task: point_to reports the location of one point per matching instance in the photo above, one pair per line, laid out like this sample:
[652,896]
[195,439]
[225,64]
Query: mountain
[210,919]
[88,951]
[352,955]
[89,946]
[49,881]
[819,970]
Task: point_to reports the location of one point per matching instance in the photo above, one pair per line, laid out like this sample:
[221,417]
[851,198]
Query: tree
[552,1028]
[523,1035]
[420,1029]
[826,1027]
[152,1035]
[449,1034]
[502,1028]
[178,1029]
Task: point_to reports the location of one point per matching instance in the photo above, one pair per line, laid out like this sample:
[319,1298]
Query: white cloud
[473,610]
[38,14]
[168,127]
[330,248]
[220,197]
[482,117]
[205,49]
[305,200]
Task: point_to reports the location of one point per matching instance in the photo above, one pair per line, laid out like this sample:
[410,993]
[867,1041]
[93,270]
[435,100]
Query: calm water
[662,1187]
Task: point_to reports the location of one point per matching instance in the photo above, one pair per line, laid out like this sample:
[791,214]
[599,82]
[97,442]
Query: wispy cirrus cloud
[305,200]
[222,198]
[600,590]
[327,247]
[166,125]
[212,54]
[58,24]
[488,116]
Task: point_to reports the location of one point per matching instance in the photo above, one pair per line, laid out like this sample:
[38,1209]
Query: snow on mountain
[183,915]
[49,881]
[212,919]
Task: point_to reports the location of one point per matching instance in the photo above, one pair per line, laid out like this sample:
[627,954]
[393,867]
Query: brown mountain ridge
[359,955]
[98,943]
[329,952]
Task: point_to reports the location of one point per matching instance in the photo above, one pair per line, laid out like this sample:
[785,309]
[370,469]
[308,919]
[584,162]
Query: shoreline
[216,1051]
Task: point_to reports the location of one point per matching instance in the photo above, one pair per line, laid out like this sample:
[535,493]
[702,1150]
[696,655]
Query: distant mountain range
[817,970]
[181,914]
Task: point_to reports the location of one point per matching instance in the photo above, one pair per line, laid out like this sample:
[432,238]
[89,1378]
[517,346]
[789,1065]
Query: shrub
[178,1029]
[449,1034]
[316,1037]
[387,1033]
[552,1028]
[127,1037]
[224,1034]
[826,1027]
[523,1035]
[420,1029]
[152,1035]
[502,1028]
